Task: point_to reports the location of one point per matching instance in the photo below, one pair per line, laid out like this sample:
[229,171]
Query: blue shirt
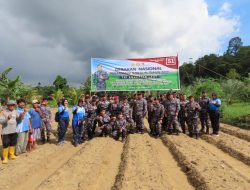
[24,124]
[62,113]
[35,119]
[216,106]
[79,115]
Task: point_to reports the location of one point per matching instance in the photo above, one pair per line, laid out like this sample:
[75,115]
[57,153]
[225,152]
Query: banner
[160,73]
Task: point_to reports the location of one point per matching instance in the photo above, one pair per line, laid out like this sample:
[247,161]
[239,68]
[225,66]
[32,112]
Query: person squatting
[93,116]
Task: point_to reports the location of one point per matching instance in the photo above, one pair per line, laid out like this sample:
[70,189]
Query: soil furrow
[237,148]
[236,131]
[94,167]
[208,167]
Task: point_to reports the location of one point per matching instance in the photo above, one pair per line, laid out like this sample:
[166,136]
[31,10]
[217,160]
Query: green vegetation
[237,114]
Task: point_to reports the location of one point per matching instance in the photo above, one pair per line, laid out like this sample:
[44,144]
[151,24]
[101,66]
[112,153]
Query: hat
[35,102]
[11,102]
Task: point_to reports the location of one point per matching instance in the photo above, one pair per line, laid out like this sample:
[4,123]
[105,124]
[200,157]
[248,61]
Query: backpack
[57,117]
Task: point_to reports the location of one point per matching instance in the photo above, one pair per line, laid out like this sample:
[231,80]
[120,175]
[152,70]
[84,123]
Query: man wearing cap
[157,117]
[140,111]
[46,119]
[36,122]
[100,77]
[9,119]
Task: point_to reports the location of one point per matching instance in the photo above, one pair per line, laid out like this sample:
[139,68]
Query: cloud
[41,39]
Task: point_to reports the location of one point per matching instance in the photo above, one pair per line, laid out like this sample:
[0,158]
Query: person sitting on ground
[120,127]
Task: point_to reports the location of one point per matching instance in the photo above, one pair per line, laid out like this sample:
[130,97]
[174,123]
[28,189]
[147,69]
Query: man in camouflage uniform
[115,107]
[103,104]
[193,109]
[204,102]
[103,121]
[120,127]
[140,111]
[150,107]
[128,115]
[100,77]
[157,117]
[183,113]
[172,109]
[46,119]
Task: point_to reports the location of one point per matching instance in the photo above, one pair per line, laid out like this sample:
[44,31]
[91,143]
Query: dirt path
[236,147]
[207,166]
[93,167]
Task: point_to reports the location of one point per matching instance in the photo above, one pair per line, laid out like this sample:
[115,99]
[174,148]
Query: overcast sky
[42,38]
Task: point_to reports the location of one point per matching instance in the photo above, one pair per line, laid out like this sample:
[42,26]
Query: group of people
[114,116]
[22,128]
[106,115]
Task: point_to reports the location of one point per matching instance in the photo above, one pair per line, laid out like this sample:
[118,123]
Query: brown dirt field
[142,162]
[207,166]
[149,165]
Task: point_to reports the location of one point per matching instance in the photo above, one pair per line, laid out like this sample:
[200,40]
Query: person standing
[46,119]
[204,101]
[140,111]
[157,117]
[36,122]
[78,123]
[63,111]
[193,109]
[172,108]
[182,116]
[214,113]
[23,128]
[128,115]
[9,119]
[150,107]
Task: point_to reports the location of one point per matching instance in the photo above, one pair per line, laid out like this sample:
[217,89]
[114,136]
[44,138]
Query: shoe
[5,155]
[12,152]
[43,141]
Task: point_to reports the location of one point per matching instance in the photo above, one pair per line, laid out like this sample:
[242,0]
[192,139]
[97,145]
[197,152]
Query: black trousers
[215,120]
[62,128]
[9,140]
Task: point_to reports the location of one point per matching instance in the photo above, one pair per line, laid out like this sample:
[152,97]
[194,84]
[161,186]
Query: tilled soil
[206,166]
[142,162]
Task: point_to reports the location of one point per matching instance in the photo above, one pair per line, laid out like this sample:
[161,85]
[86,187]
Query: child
[36,123]
[120,128]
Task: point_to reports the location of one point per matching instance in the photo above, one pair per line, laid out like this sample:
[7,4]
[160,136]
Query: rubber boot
[5,155]
[12,152]
[207,131]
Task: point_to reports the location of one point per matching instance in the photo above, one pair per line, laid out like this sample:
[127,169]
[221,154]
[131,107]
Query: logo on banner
[170,61]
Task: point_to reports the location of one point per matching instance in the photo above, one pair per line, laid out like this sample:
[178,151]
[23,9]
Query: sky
[41,39]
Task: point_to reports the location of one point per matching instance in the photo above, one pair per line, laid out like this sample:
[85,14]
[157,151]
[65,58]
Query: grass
[237,114]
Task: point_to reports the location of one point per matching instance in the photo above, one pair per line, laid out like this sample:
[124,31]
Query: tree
[10,87]
[87,85]
[234,46]
[232,74]
[60,82]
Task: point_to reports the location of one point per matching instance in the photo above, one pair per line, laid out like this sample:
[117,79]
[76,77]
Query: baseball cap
[35,102]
